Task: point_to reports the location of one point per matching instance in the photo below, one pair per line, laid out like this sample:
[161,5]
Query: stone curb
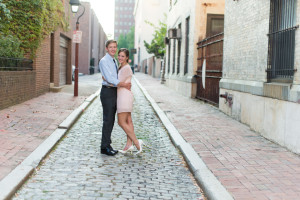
[212,187]
[69,121]
[16,178]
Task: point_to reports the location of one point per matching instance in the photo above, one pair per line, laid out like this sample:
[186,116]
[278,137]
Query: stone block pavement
[75,169]
[247,165]
[25,126]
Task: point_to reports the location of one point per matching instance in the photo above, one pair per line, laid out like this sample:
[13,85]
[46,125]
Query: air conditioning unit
[174,33]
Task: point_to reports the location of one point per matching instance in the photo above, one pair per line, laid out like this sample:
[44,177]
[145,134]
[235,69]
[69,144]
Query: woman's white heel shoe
[130,149]
[141,143]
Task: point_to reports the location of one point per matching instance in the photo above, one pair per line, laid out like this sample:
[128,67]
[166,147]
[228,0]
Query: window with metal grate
[281,49]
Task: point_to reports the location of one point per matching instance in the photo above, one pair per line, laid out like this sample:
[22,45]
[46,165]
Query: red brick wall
[42,66]
[16,87]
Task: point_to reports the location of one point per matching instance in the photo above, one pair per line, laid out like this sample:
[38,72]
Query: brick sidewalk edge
[211,186]
[16,178]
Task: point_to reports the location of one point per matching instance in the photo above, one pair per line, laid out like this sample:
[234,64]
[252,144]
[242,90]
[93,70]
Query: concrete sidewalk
[246,164]
[25,126]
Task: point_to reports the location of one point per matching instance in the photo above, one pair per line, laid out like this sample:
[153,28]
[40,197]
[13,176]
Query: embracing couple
[116,96]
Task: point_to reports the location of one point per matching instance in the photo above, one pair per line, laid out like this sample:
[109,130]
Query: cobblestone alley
[76,170]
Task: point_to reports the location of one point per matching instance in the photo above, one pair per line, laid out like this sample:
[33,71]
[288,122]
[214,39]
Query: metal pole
[76,57]
[76,65]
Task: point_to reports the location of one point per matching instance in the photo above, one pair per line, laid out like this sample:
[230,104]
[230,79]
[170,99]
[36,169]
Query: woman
[125,103]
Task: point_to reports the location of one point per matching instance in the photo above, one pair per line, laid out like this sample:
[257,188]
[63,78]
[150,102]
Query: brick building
[261,55]
[124,19]
[51,68]
[92,46]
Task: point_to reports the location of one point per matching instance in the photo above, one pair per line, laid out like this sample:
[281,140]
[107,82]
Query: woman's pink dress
[125,97]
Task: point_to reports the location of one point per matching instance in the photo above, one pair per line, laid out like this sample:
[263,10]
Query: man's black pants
[108,97]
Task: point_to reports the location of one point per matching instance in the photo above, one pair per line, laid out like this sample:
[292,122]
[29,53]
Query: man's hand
[128,86]
[125,85]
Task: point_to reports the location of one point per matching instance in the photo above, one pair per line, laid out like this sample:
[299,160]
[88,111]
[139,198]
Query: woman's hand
[105,80]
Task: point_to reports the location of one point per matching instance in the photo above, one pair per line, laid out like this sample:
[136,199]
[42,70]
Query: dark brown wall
[16,87]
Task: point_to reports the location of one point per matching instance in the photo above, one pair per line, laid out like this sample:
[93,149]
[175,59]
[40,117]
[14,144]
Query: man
[108,95]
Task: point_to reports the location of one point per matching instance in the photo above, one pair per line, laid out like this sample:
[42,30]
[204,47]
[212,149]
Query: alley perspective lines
[76,169]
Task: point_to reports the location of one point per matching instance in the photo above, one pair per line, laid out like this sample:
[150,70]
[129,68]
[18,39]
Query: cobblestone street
[76,170]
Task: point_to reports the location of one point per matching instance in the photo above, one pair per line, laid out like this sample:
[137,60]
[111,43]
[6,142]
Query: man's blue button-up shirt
[109,71]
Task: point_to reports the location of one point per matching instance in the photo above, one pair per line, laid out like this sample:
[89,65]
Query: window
[215,24]
[139,55]
[178,52]
[169,54]
[174,56]
[170,5]
[187,33]
[281,50]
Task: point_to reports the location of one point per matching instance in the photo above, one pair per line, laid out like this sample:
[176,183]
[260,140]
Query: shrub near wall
[31,21]
[16,87]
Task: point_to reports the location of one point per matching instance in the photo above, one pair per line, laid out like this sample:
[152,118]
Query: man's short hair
[108,42]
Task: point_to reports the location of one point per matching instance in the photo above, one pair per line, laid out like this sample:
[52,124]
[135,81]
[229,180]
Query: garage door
[63,61]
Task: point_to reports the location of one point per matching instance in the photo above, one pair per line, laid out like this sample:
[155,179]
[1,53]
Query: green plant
[32,20]
[157,45]
[127,41]
[10,47]
[4,12]
[4,15]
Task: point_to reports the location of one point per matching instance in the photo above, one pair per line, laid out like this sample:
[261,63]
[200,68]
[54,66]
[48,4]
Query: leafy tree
[127,41]
[157,45]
